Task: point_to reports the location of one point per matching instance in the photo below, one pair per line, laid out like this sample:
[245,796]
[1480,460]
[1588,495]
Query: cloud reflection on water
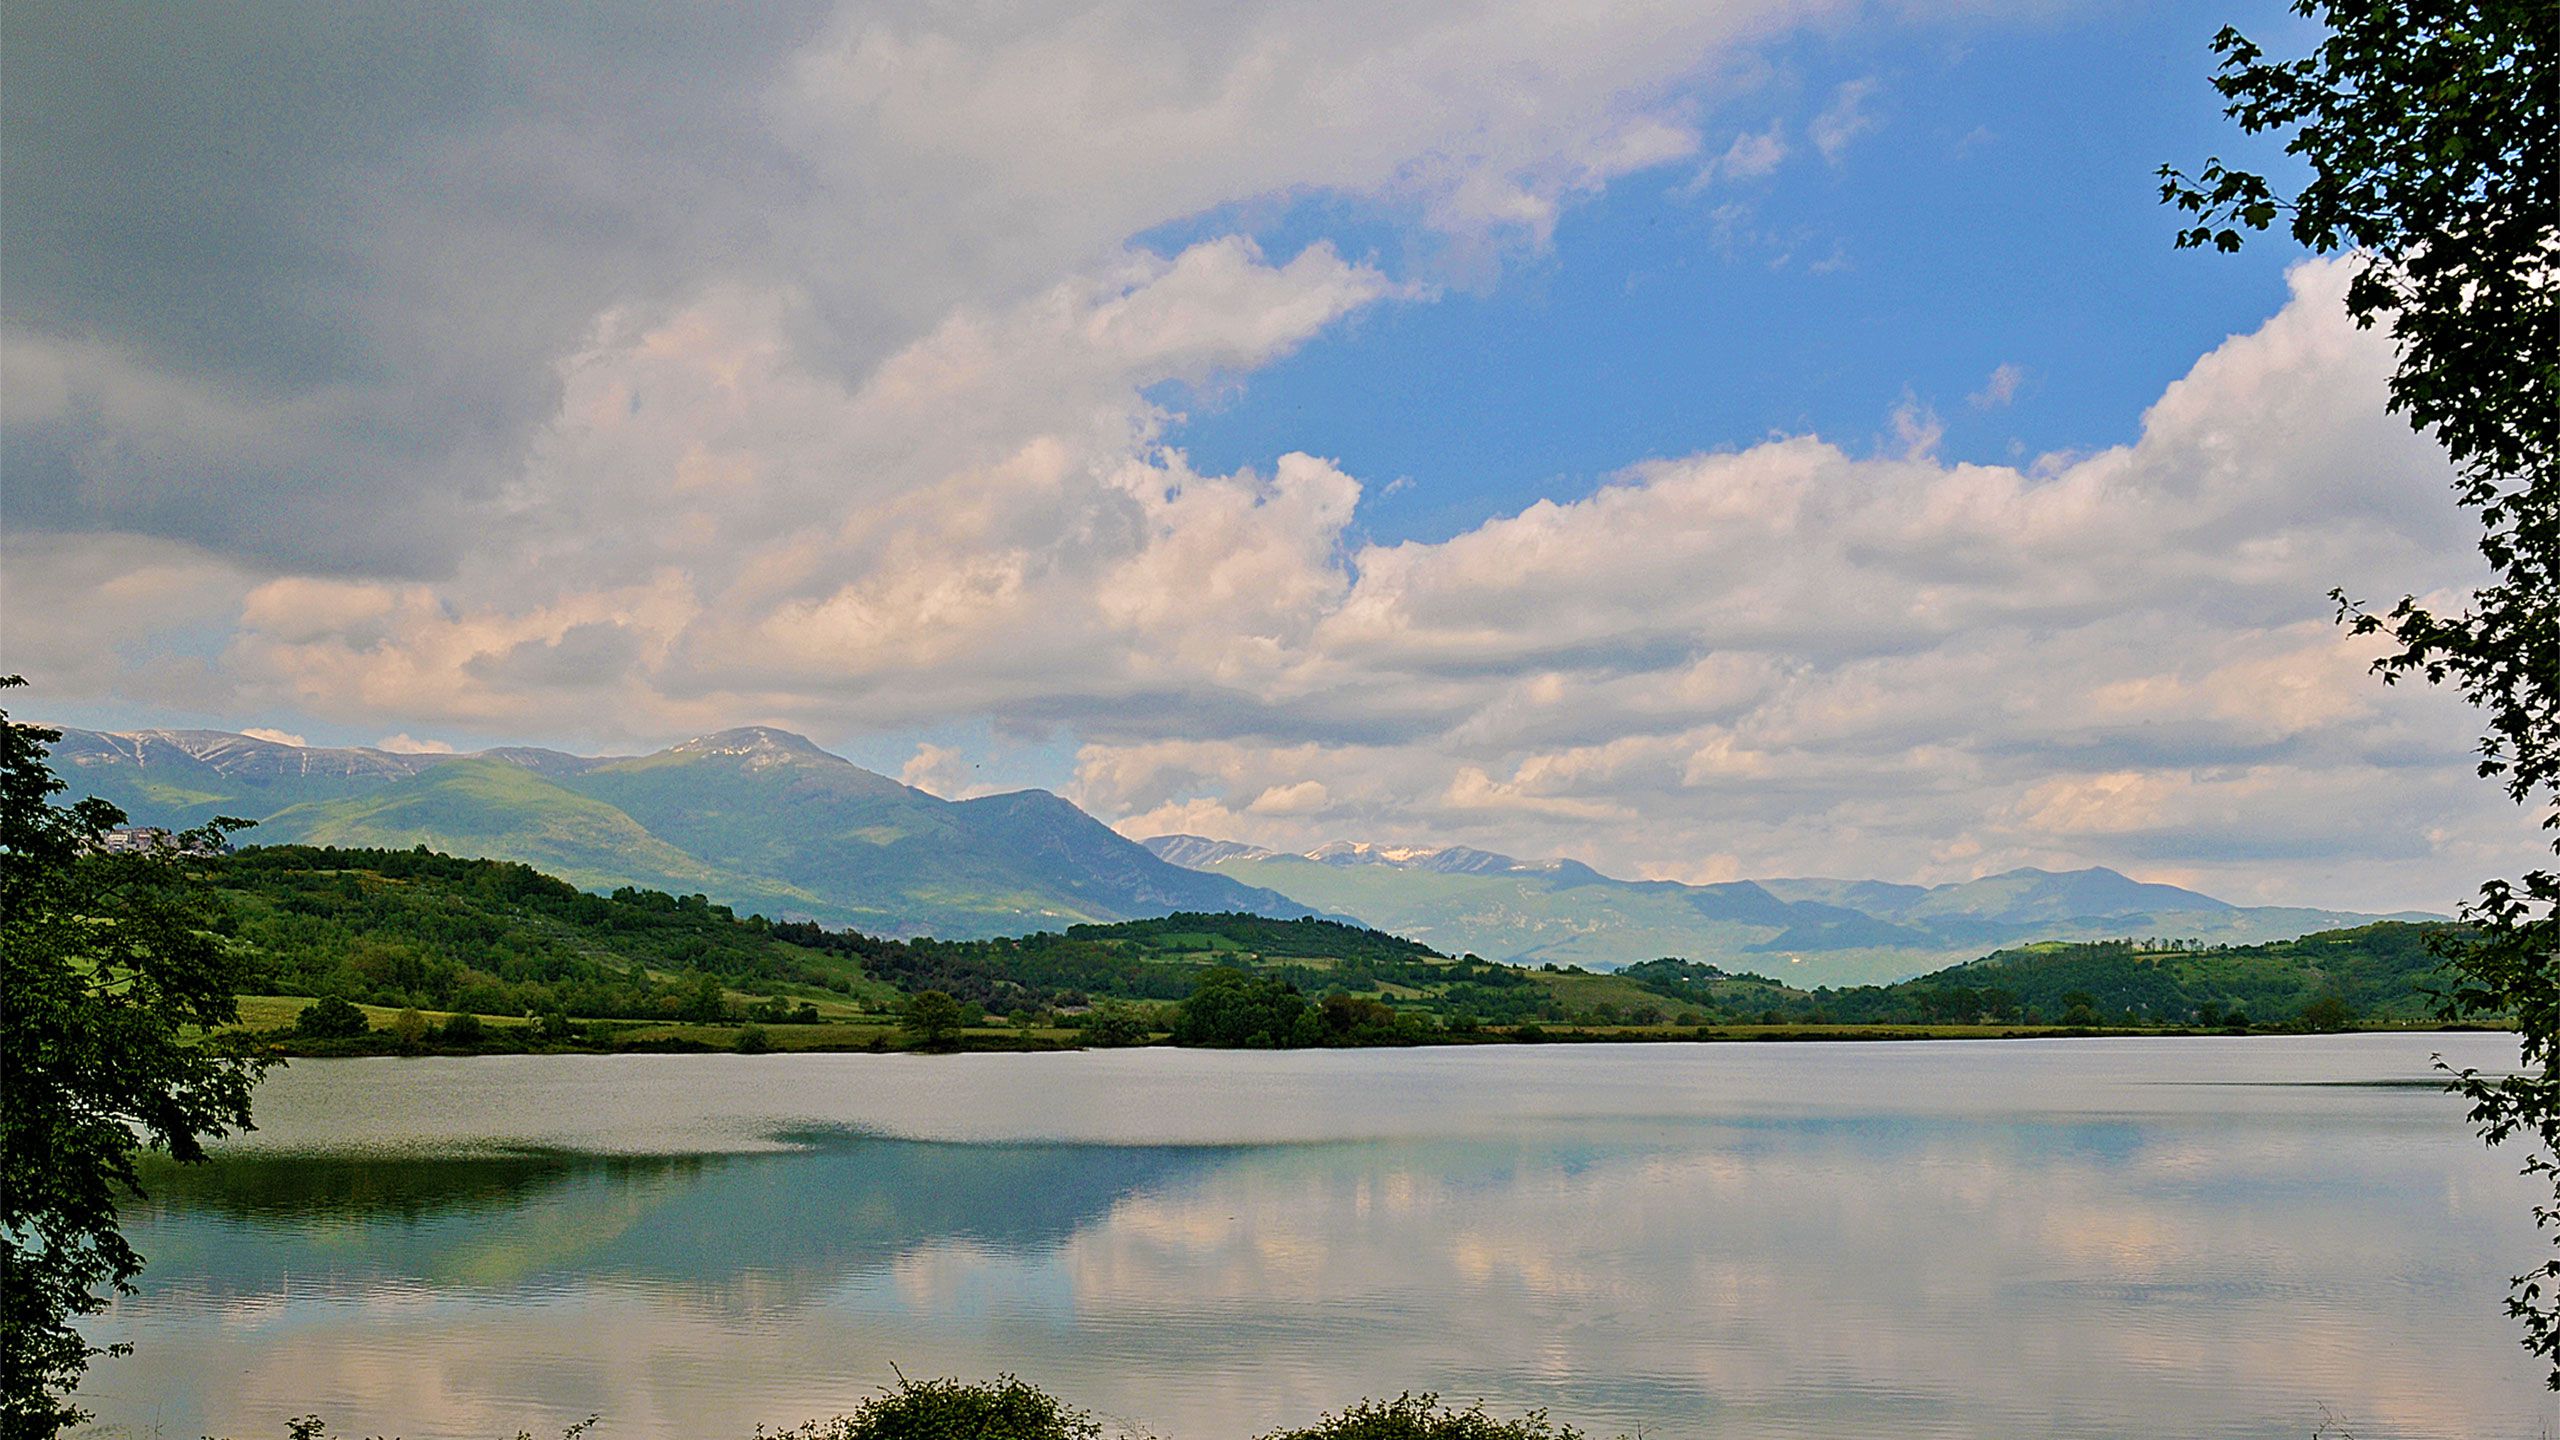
[2223,1268]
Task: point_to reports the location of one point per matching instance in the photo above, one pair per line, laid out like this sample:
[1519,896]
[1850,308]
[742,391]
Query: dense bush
[1002,1409]
[935,1020]
[1423,1417]
[331,1018]
[1233,1010]
[1115,1025]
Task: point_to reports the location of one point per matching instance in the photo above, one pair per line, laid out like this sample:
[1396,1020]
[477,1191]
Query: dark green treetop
[107,962]
[2431,132]
[1233,1009]
[1001,1409]
[332,1017]
[934,1019]
[1423,1417]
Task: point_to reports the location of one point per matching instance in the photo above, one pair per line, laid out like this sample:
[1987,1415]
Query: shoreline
[883,1036]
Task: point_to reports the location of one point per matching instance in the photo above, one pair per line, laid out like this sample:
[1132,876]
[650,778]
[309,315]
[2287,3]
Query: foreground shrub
[1001,1409]
[1422,1417]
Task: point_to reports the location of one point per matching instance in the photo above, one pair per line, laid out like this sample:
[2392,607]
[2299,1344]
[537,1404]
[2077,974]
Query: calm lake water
[2050,1238]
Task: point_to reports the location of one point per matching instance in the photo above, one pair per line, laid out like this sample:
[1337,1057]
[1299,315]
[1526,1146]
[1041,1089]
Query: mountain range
[765,821]
[757,818]
[1807,932]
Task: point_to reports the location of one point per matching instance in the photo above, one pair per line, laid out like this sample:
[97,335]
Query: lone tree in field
[2431,130]
[933,1020]
[106,961]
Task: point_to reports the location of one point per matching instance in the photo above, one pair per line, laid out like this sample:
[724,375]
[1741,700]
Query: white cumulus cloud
[846,400]
[406,744]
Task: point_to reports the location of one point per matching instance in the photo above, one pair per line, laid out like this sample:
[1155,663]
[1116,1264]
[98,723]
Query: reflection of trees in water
[287,1187]
[762,1227]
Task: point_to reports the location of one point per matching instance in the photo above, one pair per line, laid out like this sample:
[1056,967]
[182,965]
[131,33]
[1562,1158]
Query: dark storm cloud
[301,271]
[173,174]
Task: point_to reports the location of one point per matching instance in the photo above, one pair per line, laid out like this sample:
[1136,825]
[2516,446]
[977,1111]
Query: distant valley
[1806,932]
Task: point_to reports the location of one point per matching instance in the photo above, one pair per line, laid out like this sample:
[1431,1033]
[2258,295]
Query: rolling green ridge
[413,929]
[2380,972]
[758,819]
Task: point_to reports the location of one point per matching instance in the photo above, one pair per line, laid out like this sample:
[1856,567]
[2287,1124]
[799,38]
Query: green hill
[757,818]
[410,928]
[2382,973]
[416,929]
[2379,972]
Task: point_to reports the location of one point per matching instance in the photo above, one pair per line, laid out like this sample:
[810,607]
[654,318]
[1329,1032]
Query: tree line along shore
[377,952]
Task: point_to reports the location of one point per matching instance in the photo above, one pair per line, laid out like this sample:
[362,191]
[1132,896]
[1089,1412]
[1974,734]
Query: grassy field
[1581,990]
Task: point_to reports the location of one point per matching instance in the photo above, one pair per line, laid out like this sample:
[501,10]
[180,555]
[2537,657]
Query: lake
[2117,1237]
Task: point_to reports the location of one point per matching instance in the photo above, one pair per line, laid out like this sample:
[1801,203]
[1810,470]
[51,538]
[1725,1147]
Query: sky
[1705,441]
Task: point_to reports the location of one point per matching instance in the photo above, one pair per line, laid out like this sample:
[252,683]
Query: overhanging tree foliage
[2432,135]
[106,964]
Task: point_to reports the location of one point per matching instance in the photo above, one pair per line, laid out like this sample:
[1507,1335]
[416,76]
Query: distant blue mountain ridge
[766,821]
[1807,931]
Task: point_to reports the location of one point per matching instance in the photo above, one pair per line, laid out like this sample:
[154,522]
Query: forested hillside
[414,928]
[2378,972]
[409,929]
